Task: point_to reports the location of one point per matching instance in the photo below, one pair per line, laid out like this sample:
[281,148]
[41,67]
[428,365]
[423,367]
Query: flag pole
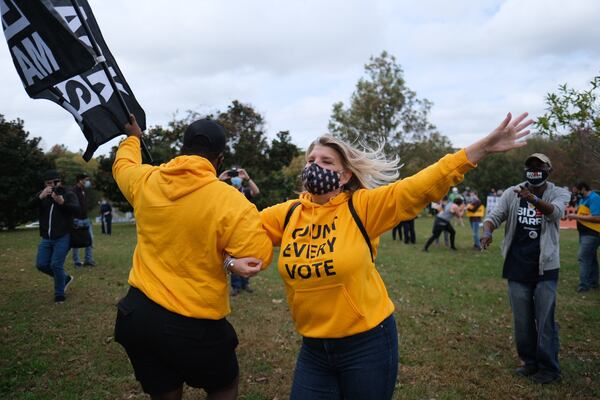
[102,61]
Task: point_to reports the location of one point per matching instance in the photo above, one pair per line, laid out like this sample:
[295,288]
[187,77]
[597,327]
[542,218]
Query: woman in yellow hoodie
[328,240]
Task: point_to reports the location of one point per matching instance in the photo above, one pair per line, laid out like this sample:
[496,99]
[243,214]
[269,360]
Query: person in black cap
[172,321]
[81,220]
[56,207]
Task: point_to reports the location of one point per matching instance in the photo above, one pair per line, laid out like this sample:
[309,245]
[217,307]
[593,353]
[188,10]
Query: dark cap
[51,175]
[539,156]
[205,134]
[81,176]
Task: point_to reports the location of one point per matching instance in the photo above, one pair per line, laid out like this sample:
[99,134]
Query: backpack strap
[289,214]
[361,227]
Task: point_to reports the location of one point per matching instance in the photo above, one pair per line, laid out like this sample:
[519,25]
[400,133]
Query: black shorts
[167,349]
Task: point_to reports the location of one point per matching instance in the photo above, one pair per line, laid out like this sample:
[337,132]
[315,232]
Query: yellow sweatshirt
[333,288]
[185,219]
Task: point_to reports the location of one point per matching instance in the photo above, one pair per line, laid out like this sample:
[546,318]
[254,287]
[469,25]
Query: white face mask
[87,184]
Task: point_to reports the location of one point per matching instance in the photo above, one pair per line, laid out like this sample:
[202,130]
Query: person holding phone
[56,208]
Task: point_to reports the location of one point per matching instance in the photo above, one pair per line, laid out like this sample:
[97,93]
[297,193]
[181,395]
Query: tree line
[381,110]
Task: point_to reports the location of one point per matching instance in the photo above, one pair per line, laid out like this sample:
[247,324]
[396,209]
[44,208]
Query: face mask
[87,184]
[236,181]
[536,177]
[319,180]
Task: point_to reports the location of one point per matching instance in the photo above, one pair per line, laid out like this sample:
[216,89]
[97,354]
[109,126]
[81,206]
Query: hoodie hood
[184,175]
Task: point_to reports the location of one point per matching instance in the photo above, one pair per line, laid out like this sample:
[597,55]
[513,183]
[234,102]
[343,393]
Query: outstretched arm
[384,207]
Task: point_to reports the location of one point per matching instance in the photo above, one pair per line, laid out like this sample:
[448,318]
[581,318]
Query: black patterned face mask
[319,180]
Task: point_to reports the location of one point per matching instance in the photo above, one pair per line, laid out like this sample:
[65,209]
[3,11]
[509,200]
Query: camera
[233,172]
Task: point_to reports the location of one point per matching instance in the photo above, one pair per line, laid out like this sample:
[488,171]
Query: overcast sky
[291,60]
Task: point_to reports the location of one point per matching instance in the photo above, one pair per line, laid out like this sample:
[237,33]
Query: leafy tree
[246,137]
[419,154]
[23,164]
[382,109]
[247,147]
[575,114]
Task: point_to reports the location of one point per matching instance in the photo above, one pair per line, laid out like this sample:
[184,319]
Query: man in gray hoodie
[532,211]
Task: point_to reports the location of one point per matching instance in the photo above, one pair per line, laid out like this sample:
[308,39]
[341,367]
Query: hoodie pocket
[325,311]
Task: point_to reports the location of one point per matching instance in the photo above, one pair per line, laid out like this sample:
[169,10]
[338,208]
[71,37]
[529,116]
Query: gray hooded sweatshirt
[506,210]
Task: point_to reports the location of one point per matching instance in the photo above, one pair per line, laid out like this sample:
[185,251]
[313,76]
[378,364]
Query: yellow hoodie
[333,288]
[186,218]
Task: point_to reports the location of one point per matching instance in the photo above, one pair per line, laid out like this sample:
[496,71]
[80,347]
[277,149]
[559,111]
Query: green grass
[452,311]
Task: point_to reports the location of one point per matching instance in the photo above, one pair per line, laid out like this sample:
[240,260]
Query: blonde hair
[369,166]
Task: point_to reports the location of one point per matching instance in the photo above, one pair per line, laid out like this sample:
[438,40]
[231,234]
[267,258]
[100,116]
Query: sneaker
[545,377]
[59,299]
[68,280]
[89,264]
[581,289]
[79,264]
[247,289]
[526,370]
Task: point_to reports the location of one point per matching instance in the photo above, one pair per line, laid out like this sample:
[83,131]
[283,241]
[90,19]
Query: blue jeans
[358,367]
[239,282]
[588,261]
[51,260]
[475,229]
[88,250]
[536,332]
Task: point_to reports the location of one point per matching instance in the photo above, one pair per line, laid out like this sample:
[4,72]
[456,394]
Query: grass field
[452,311]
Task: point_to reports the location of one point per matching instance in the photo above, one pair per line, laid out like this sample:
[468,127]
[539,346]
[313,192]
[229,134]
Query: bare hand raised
[504,138]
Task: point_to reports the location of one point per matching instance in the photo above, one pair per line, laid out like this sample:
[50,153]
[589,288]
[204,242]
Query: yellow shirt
[333,288]
[585,210]
[186,219]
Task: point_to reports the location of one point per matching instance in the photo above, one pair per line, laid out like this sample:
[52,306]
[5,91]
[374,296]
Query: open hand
[504,138]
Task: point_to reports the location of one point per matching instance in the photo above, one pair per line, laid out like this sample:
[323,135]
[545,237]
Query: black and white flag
[55,59]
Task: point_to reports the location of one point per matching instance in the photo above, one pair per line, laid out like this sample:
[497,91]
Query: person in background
[443,223]
[106,217]
[475,212]
[532,211]
[408,227]
[172,322]
[56,207]
[81,220]
[237,177]
[397,230]
[588,226]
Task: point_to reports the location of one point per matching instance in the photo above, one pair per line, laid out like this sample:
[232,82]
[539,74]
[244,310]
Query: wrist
[487,233]
[228,265]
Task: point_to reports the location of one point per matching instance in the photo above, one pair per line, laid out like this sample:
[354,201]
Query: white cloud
[475,59]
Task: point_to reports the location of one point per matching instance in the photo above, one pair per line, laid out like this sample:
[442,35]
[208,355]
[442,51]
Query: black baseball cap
[51,175]
[204,135]
[81,175]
